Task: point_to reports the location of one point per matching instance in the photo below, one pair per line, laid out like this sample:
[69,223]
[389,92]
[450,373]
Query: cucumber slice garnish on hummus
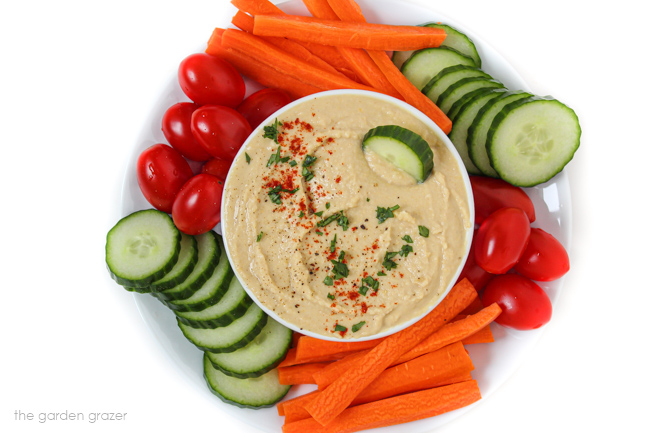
[402,147]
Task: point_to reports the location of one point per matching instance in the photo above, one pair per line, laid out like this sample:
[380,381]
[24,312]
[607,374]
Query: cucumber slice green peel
[533,139]
[402,147]
[141,248]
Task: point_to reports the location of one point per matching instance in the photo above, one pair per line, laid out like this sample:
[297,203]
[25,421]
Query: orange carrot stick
[299,374]
[349,11]
[289,359]
[448,334]
[335,398]
[358,59]
[270,55]
[368,36]
[310,348]
[261,72]
[394,410]
[483,335]
[326,53]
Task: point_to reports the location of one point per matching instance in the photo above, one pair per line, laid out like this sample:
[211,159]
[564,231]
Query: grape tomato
[544,259]
[261,104]
[491,194]
[207,79]
[501,240]
[524,304]
[220,130]
[161,172]
[217,167]
[197,208]
[176,126]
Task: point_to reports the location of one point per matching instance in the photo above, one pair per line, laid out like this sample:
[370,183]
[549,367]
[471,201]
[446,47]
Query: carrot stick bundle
[349,34]
[335,398]
[299,374]
[394,410]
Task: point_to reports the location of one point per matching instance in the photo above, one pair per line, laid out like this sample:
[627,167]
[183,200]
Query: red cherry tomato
[177,130]
[217,167]
[544,259]
[261,104]
[501,239]
[220,130]
[161,172]
[524,304]
[207,79]
[491,194]
[197,208]
[478,276]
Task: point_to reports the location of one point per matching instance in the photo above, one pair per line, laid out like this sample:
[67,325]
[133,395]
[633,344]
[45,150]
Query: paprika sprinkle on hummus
[335,240]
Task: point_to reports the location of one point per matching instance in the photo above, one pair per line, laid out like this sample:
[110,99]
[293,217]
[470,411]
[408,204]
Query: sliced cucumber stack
[141,248]
[404,148]
[531,140]
[525,149]
[192,276]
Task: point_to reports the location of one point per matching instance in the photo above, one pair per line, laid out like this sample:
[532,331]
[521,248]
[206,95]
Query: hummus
[333,239]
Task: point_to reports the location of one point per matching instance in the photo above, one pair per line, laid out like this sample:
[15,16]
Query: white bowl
[443,139]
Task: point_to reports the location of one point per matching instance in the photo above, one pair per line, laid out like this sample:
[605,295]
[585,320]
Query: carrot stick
[275,58]
[294,408]
[335,398]
[483,335]
[263,73]
[394,410]
[358,59]
[349,11]
[310,349]
[326,53]
[289,359]
[299,374]
[448,334]
[368,36]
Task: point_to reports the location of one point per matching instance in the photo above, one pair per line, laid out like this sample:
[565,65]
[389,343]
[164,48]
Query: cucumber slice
[455,39]
[460,103]
[463,120]
[141,248]
[259,356]
[252,393]
[186,261]
[448,76]
[478,130]
[232,306]
[461,88]
[532,140]
[425,64]
[209,254]
[402,147]
[212,290]
[459,41]
[227,338]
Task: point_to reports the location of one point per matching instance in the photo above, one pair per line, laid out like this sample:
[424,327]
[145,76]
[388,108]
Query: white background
[78,80]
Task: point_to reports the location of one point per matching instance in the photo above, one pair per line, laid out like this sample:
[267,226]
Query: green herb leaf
[248,158]
[307,174]
[272,131]
[340,328]
[333,244]
[358,326]
[383,213]
[309,160]
[371,282]
[328,281]
[340,269]
[388,263]
[259,236]
[406,249]
[381,274]
[407,238]
[331,296]
[424,232]
[363,290]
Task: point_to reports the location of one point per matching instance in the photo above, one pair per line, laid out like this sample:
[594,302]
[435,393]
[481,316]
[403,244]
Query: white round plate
[494,362]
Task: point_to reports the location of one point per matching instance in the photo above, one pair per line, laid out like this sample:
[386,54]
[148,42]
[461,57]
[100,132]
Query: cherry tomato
[161,172]
[197,208]
[491,194]
[220,130]
[524,304]
[217,167]
[177,130]
[478,276]
[261,104]
[207,79]
[544,259]
[501,239]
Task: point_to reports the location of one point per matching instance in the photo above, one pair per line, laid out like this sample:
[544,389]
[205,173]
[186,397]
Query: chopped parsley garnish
[383,213]
[319,214]
[340,219]
[424,232]
[363,290]
[328,281]
[340,269]
[388,262]
[309,161]
[406,249]
[371,282]
[327,205]
[259,236]
[408,239]
[274,193]
[358,326]
[301,214]
[340,328]
[306,172]
[293,163]
[381,274]
[330,296]
[248,158]
[277,158]
[272,131]
[333,244]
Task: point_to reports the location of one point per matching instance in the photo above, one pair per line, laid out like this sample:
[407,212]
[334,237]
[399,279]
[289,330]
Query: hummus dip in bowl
[334,241]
